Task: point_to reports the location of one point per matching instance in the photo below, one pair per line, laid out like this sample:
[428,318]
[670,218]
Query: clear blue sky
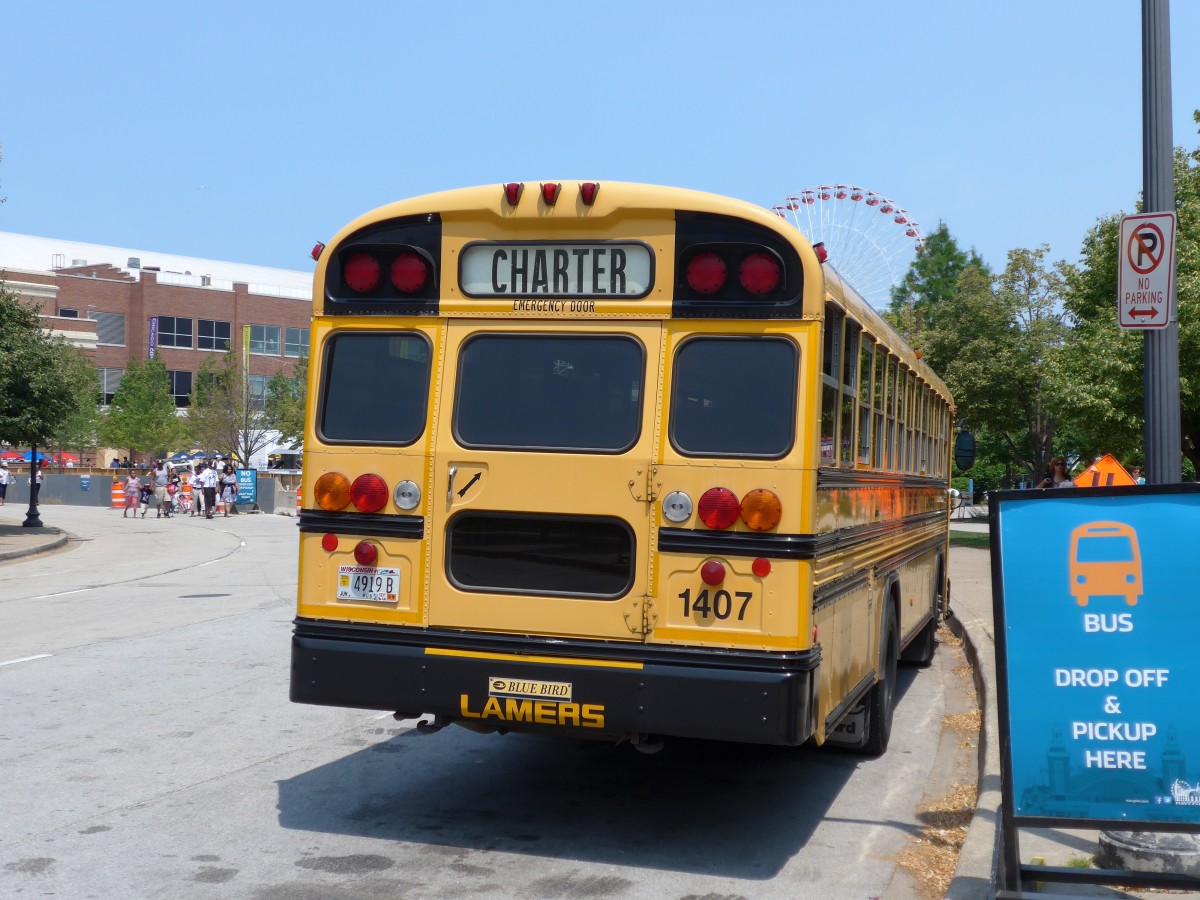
[247,131]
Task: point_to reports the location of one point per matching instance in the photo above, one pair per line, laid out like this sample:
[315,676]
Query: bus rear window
[734,397]
[376,388]
[550,392]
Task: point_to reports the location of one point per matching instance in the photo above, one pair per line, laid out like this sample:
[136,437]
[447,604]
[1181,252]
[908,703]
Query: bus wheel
[883,695]
[920,651]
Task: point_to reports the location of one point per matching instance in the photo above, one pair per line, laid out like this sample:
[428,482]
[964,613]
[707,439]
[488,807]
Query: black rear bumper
[614,688]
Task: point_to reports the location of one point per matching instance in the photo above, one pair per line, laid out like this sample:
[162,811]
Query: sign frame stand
[1013,874]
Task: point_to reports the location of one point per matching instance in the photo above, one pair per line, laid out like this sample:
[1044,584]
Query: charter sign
[1146,270]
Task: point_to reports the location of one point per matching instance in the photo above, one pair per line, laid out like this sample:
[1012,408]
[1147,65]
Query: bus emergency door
[541,517]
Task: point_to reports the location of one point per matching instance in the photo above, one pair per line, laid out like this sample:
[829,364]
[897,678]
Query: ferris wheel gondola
[870,239]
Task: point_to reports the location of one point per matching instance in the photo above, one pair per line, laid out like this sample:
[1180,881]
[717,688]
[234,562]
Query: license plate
[369,583]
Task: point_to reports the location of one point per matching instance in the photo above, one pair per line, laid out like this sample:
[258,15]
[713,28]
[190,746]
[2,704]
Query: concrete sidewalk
[17,542]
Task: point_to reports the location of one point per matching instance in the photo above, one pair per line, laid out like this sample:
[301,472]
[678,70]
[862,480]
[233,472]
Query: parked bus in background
[613,460]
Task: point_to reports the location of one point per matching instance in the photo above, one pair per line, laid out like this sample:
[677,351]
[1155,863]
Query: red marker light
[409,272]
[329,542]
[822,253]
[712,573]
[588,191]
[550,193]
[761,567]
[361,272]
[706,273]
[512,192]
[365,553]
[316,250]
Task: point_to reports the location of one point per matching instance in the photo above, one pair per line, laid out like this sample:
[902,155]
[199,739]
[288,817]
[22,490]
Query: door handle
[450,486]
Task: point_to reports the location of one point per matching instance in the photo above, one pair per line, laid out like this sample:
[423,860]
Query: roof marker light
[588,191]
[512,192]
[315,253]
[550,193]
[822,253]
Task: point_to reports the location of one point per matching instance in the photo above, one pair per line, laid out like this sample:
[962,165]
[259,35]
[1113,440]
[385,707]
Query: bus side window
[849,393]
[864,402]
[831,366]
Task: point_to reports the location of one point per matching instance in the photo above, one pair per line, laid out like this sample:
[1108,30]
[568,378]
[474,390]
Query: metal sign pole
[1160,379]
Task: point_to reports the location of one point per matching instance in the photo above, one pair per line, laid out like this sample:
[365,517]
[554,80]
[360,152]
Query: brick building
[103,299]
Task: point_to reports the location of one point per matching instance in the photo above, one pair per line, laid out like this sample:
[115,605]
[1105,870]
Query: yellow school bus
[617,461]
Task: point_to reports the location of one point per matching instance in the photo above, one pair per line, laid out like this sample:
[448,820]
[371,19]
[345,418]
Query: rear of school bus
[559,467]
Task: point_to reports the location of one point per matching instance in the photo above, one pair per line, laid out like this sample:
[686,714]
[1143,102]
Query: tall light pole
[1160,377]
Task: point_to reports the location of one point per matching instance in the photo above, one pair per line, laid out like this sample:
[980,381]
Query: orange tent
[1104,472]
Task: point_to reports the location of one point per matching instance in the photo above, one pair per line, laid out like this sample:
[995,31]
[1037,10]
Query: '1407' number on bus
[719,605]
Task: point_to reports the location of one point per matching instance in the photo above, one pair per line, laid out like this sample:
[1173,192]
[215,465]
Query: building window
[258,391]
[264,339]
[110,328]
[295,342]
[109,381]
[181,387]
[174,331]
[64,313]
[212,335]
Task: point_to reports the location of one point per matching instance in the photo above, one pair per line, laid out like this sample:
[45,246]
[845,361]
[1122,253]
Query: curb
[977,871]
[57,543]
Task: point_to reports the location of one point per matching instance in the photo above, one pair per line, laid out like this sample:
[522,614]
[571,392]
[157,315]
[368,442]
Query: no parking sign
[1147,267]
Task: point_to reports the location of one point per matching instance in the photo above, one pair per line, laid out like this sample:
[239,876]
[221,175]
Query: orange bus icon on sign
[1105,562]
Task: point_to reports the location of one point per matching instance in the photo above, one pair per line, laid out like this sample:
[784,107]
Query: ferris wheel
[870,239]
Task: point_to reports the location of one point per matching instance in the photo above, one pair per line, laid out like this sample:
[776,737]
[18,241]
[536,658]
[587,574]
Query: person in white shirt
[208,481]
[5,479]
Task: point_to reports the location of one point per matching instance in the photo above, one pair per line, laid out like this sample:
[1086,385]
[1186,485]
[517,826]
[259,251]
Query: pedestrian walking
[5,478]
[208,481]
[147,495]
[162,503]
[229,489]
[133,493]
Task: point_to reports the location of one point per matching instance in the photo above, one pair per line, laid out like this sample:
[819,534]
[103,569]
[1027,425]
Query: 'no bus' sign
[1147,266]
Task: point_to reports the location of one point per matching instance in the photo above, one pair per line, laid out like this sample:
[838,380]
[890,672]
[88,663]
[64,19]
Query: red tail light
[365,553]
[760,273]
[329,542]
[706,273]
[719,508]
[410,271]
[369,493]
[361,272]
[588,191]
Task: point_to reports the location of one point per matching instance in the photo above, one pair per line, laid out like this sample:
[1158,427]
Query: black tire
[882,704]
[920,650]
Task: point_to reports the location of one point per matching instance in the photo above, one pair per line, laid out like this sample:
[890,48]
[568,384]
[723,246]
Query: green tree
[287,398]
[931,279]
[223,416]
[39,376]
[998,346]
[142,414]
[79,431]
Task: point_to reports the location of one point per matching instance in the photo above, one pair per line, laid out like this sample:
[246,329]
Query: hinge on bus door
[645,484]
[640,616]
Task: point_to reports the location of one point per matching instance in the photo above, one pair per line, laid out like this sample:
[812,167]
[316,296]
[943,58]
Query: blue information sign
[1097,601]
[247,486]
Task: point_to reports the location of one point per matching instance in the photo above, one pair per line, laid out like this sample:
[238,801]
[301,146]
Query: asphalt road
[149,749]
